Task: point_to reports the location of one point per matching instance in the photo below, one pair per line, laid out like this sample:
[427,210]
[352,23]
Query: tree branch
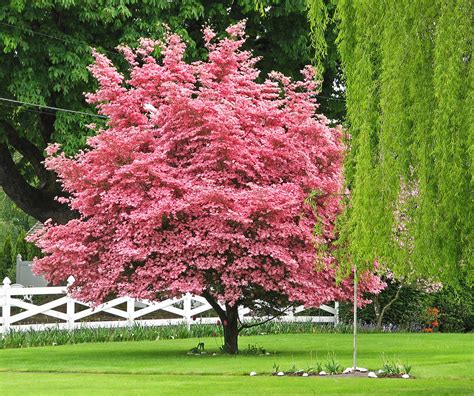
[34,156]
[47,123]
[36,202]
[387,306]
[47,120]
[244,326]
[214,304]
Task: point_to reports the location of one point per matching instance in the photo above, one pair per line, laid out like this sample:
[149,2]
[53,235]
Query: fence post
[291,314]
[336,314]
[130,311]
[241,311]
[6,305]
[19,260]
[187,309]
[70,306]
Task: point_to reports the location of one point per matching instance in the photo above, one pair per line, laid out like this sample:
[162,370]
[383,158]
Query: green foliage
[332,365]
[13,227]
[12,220]
[46,49]
[393,367]
[318,19]
[6,258]
[314,367]
[275,368]
[456,309]
[406,313]
[409,311]
[324,30]
[390,367]
[253,349]
[408,72]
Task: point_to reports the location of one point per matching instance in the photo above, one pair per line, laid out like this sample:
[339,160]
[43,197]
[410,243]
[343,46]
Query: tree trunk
[381,312]
[231,330]
[380,320]
[39,202]
[377,310]
[230,321]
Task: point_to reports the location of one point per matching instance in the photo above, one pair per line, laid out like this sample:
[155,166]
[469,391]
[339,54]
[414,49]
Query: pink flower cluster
[201,183]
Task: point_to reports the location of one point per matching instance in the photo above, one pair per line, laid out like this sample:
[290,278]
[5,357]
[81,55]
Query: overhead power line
[35,111]
[19,102]
[115,53]
[71,39]
[36,32]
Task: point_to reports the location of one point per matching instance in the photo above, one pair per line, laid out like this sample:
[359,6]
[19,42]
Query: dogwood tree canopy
[204,181]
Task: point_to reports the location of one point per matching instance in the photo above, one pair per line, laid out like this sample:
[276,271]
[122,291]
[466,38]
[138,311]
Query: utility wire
[12,105]
[19,102]
[50,107]
[115,53]
[72,40]
[110,52]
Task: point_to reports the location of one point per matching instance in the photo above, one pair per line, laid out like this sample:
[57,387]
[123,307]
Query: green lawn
[442,364]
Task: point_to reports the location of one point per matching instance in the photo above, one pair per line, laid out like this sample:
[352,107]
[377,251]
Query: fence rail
[126,311]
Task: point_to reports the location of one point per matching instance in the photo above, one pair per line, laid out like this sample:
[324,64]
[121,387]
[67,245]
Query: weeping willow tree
[409,99]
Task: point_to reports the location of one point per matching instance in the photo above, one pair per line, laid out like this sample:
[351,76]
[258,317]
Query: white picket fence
[186,309]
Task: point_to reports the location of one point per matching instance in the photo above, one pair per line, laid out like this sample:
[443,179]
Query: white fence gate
[132,312]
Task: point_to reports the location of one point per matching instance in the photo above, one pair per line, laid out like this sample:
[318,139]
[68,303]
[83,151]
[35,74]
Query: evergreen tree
[6,262]
[21,246]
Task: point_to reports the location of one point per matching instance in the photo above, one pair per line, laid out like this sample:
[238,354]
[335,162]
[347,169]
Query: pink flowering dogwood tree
[204,181]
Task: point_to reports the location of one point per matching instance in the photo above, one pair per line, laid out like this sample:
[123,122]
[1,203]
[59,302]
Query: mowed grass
[441,363]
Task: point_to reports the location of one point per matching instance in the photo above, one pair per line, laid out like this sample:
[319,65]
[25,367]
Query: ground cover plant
[204,181]
[164,366]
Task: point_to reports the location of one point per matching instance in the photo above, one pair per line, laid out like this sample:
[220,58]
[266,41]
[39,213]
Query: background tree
[204,181]
[326,58]
[408,78]
[46,48]
[6,258]
[408,75]
[14,224]
[409,305]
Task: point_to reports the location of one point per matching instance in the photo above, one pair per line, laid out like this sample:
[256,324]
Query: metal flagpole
[355,317]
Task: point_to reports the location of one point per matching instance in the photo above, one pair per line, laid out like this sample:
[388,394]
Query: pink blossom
[237,30]
[208,34]
[52,148]
[209,193]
